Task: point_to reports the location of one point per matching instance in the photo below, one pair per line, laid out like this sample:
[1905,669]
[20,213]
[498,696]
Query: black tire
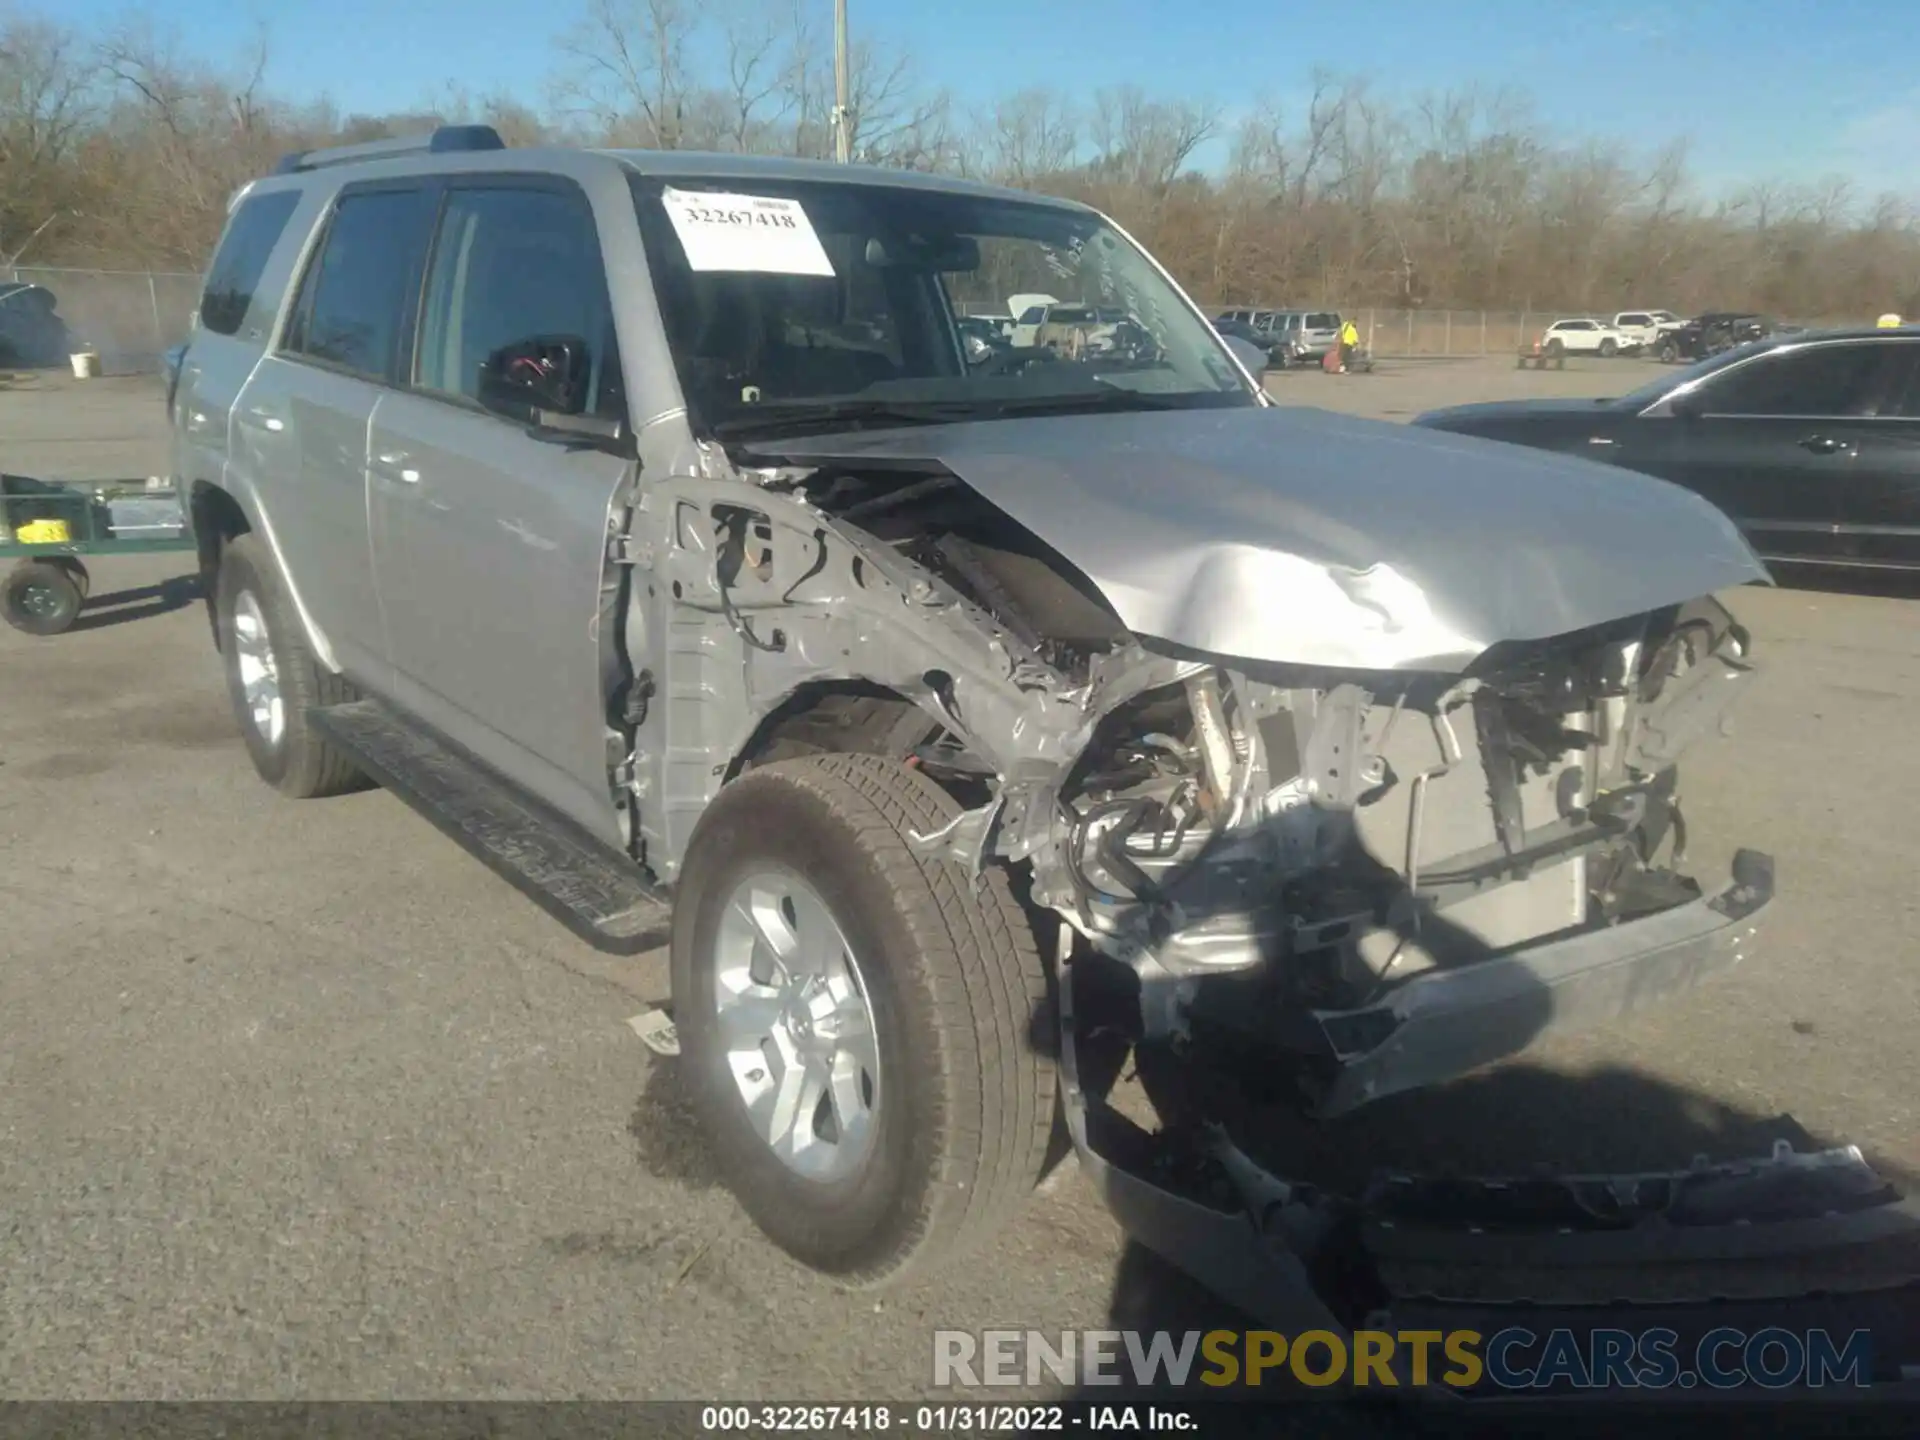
[73,566]
[1608,349]
[1668,353]
[957,991]
[1555,347]
[40,597]
[300,764]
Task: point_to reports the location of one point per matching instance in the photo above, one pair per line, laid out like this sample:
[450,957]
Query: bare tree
[1457,199]
[48,96]
[627,68]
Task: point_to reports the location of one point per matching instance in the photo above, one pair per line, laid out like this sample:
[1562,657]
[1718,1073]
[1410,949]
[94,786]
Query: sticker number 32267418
[745,232]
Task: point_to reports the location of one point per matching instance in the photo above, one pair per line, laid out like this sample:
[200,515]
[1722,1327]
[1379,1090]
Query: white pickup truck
[1643,328]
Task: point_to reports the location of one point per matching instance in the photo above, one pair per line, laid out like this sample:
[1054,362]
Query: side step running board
[595,892]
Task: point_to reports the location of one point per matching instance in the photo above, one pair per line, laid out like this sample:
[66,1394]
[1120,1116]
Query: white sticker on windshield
[745,232]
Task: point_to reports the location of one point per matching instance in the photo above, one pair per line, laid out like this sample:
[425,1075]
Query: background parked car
[1582,336]
[1310,334]
[31,330]
[1643,328]
[1711,333]
[1811,444]
[1249,347]
[1276,350]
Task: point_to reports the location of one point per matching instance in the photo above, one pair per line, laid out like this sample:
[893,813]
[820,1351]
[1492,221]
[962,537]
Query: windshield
[1687,378]
[804,301]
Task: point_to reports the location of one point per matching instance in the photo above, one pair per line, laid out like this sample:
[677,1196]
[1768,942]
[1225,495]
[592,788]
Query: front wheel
[1556,347]
[1608,349]
[863,1029]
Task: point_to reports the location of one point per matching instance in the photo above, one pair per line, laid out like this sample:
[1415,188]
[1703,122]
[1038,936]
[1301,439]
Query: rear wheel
[1668,352]
[40,597]
[1556,347]
[859,1025]
[1608,349]
[273,678]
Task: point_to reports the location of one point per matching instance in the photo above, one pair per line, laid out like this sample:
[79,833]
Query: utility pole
[842,112]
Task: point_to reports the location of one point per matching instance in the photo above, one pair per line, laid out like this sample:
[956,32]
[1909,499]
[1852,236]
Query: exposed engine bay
[1333,832]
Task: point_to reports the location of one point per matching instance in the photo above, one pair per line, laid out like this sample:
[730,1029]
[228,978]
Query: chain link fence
[130,317]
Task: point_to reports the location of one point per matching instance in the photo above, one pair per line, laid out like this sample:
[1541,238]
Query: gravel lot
[299,1101]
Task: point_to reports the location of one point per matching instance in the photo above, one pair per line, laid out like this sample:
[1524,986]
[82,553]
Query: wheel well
[837,718]
[217,518]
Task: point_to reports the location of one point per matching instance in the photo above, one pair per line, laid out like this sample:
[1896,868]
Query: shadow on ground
[121,607]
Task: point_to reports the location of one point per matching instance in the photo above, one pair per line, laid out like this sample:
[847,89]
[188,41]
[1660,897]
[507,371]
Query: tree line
[119,151]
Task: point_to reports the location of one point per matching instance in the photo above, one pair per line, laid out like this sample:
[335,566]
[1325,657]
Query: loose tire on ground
[957,994]
[296,761]
[40,597]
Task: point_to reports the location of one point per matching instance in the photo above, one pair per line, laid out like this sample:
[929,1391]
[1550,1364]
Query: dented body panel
[1298,536]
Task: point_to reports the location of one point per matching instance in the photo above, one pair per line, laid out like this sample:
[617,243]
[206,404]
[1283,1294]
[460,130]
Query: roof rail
[445,140]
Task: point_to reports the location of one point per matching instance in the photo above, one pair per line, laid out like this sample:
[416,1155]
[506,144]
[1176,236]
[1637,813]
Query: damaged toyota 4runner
[641,520]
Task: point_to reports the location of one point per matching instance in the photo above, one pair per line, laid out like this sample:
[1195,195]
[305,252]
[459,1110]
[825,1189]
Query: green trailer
[47,526]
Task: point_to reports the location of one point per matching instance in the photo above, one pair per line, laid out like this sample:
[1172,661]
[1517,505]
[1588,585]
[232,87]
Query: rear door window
[1323,322]
[256,227]
[1903,395]
[357,298]
[1822,380]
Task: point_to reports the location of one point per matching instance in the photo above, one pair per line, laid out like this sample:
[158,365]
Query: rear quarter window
[240,260]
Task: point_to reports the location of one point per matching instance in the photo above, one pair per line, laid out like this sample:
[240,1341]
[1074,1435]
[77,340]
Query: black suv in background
[1711,333]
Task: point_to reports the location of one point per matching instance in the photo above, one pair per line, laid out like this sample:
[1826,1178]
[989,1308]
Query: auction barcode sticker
[745,232]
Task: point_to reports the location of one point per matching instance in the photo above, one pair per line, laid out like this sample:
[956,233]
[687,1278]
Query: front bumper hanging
[1440,1024]
[1792,1239]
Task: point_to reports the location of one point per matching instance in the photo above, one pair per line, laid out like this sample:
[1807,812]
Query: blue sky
[1795,89]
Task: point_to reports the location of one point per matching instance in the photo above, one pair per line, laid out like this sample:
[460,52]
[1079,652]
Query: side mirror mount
[548,373]
[1247,353]
[1687,404]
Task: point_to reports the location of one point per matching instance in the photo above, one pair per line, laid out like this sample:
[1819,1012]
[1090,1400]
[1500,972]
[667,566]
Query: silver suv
[965,722]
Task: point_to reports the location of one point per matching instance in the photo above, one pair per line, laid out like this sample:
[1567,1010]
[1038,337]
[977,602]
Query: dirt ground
[296,1100]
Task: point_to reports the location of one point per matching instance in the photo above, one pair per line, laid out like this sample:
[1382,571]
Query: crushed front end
[1381,881]
[1300,833]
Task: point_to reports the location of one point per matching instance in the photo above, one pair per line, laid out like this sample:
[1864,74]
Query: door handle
[1826,445]
[394,466]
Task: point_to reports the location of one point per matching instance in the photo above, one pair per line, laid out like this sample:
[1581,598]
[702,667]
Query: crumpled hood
[1293,535]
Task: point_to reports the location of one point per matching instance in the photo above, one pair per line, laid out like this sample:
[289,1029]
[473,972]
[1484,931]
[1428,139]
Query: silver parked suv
[966,722]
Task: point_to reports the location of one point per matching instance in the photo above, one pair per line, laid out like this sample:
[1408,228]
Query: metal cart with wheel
[48,526]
